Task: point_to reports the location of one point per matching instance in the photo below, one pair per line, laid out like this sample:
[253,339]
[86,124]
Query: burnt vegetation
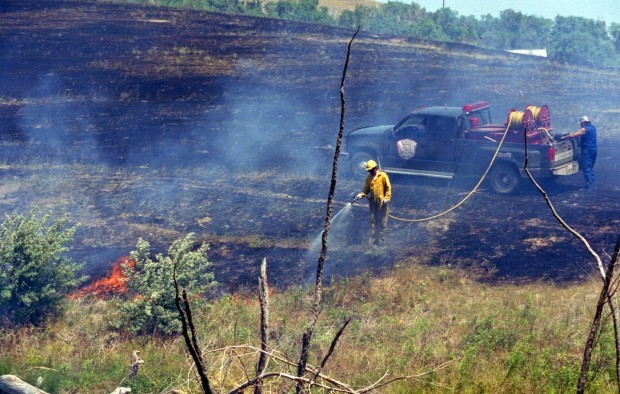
[153,122]
[147,122]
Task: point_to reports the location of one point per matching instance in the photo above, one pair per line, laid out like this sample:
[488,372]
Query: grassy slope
[498,338]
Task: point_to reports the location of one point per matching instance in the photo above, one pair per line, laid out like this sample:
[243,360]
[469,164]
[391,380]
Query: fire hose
[455,206]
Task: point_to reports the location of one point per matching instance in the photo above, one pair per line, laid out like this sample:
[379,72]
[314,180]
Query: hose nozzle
[356,200]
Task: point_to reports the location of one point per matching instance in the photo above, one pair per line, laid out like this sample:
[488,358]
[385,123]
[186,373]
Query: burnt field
[150,122]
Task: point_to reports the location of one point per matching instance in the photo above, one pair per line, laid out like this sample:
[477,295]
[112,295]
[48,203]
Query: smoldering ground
[225,126]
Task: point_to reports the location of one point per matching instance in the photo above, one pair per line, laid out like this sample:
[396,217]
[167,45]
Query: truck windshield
[411,120]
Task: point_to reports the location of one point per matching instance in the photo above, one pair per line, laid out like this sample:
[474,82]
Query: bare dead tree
[318,287]
[191,343]
[612,307]
[594,329]
[263,295]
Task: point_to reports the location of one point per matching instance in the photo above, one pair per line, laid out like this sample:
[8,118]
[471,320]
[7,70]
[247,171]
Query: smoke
[263,128]
[58,125]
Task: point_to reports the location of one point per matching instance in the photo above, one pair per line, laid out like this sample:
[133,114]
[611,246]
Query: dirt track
[147,122]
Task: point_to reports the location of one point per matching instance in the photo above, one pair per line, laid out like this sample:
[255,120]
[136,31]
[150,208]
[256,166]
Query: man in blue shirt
[588,150]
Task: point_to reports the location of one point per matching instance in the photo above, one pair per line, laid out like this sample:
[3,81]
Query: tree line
[567,39]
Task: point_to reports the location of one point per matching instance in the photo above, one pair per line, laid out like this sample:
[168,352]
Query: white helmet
[584,119]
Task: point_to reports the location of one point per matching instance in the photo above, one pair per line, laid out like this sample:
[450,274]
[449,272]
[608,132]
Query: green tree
[351,19]
[253,7]
[395,17]
[150,286]
[581,41]
[514,30]
[35,277]
[300,10]
[614,32]
[227,6]
[428,29]
[453,27]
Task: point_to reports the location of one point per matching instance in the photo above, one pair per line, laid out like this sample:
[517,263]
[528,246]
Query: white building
[532,52]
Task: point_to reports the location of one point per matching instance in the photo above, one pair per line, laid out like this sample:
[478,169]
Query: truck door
[442,140]
[408,145]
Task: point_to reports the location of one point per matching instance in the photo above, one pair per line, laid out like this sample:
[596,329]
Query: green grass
[498,338]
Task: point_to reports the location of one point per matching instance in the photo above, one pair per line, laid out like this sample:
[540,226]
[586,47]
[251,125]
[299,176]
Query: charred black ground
[150,122]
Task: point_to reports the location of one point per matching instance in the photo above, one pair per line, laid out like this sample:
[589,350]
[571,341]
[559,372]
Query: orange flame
[110,286]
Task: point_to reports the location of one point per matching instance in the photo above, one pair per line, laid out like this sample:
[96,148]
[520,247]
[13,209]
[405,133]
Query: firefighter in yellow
[378,190]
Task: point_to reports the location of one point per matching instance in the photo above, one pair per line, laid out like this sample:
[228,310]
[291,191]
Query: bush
[150,287]
[34,276]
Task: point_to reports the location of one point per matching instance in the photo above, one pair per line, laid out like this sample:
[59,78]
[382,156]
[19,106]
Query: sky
[605,10]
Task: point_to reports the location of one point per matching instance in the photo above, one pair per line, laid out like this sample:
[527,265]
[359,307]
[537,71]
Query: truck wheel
[358,161]
[504,179]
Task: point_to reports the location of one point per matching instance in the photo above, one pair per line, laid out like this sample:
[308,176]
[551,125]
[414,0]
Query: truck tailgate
[565,152]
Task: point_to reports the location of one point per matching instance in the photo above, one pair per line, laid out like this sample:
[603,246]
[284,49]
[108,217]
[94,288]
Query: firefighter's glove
[359,195]
[385,201]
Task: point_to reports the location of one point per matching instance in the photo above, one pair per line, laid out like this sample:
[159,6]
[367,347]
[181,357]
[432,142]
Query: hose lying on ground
[468,194]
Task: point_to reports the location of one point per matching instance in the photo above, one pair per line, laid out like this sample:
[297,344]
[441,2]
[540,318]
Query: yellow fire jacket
[378,188]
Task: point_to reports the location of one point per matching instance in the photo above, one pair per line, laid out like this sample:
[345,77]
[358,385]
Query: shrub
[150,286]
[34,276]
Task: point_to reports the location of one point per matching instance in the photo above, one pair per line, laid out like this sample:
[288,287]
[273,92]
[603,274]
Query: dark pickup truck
[444,142]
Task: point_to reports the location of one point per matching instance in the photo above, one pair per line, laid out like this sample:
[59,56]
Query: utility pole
[443,4]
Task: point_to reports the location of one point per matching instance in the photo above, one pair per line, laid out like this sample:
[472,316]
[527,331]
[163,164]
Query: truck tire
[504,179]
[358,161]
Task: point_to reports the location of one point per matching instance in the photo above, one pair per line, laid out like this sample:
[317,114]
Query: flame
[110,286]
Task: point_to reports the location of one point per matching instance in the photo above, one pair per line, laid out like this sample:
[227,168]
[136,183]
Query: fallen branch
[11,384]
[283,359]
[410,377]
[328,382]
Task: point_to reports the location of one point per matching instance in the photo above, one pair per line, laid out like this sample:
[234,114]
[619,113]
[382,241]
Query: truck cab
[423,143]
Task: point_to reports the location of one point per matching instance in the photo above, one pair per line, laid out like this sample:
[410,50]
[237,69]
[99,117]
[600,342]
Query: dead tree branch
[599,263]
[557,216]
[263,295]
[288,361]
[191,343]
[192,327]
[331,384]
[318,288]
[331,349]
[410,377]
[587,353]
